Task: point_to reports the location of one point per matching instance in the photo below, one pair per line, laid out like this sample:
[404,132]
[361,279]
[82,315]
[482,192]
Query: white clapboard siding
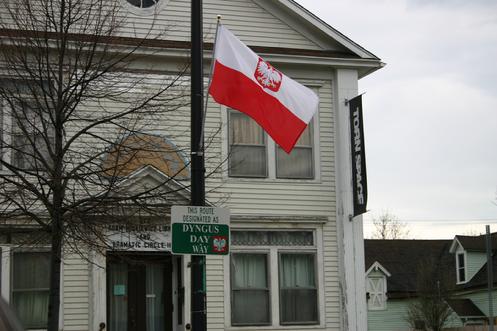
[280,196]
[251,23]
[331,276]
[215,292]
[75,293]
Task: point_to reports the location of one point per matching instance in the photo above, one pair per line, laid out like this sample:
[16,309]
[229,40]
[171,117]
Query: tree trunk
[55,262]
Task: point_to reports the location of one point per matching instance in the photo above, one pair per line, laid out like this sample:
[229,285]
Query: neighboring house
[296,259]
[393,267]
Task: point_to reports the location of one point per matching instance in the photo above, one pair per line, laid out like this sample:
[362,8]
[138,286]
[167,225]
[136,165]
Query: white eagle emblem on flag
[268,76]
[219,244]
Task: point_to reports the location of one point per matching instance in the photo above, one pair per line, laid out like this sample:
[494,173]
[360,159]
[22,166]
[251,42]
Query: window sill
[272,180]
[277,327]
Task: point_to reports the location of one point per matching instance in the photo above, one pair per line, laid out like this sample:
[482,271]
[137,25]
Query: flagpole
[198,295]
[213,60]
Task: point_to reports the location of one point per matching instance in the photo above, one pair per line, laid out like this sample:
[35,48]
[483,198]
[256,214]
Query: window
[249,289]
[299,163]
[143,3]
[30,289]
[30,128]
[461,270]
[248,155]
[376,289]
[26,132]
[252,154]
[298,292]
[273,278]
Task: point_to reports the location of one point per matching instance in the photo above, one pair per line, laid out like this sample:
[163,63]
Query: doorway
[139,292]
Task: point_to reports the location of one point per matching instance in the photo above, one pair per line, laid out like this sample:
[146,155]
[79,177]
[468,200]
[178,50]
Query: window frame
[273,251]
[271,157]
[8,151]
[315,289]
[231,144]
[268,289]
[10,286]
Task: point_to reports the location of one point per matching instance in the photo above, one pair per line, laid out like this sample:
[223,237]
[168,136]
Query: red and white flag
[243,81]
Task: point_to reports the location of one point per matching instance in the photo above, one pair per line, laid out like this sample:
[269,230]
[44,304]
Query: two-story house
[296,257]
[393,268]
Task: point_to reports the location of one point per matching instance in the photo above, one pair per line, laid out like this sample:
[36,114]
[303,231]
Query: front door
[139,292]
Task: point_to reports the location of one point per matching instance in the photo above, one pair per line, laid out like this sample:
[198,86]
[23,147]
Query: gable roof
[402,258]
[377,266]
[324,27]
[465,308]
[475,243]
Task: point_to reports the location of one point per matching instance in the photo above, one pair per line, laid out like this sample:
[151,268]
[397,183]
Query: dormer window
[461,267]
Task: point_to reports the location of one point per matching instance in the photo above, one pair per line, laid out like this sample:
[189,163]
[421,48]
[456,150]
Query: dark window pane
[250,307]
[298,293]
[462,276]
[30,287]
[249,161]
[247,147]
[298,306]
[31,271]
[250,292]
[297,164]
[31,308]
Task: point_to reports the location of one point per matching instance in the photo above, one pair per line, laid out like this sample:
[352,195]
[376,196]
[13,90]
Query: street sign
[200,230]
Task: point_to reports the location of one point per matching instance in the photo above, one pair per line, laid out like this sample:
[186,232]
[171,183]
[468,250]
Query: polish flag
[243,81]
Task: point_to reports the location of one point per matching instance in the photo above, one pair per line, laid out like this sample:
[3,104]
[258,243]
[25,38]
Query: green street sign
[200,230]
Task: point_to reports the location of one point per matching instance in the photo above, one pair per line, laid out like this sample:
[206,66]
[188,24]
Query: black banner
[359,180]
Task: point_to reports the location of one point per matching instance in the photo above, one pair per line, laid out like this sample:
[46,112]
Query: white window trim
[6,278]
[273,275]
[271,155]
[465,257]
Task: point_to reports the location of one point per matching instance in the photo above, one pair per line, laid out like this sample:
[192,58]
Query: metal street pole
[198,307]
[490,281]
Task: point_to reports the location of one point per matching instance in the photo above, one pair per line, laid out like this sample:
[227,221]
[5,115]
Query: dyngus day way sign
[200,230]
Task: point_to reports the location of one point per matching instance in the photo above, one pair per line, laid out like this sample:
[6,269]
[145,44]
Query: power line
[444,220]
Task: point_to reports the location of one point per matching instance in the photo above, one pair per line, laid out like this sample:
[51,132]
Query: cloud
[431,113]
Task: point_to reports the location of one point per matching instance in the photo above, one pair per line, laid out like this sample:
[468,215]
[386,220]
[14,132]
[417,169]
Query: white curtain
[298,293]
[247,147]
[155,297]
[299,163]
[250,295]
[118,305]
[30,289]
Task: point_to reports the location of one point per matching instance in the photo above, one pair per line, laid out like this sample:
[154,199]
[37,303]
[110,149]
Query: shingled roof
[465,308]
[476,243]
[402,259]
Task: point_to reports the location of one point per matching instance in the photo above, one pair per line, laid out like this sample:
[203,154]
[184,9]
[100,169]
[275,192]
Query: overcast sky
[431,113]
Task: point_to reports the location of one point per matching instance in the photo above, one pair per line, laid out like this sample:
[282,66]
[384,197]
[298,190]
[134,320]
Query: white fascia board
[160,177]
[377,266]
[365,66]
[327,29]
[454,245]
